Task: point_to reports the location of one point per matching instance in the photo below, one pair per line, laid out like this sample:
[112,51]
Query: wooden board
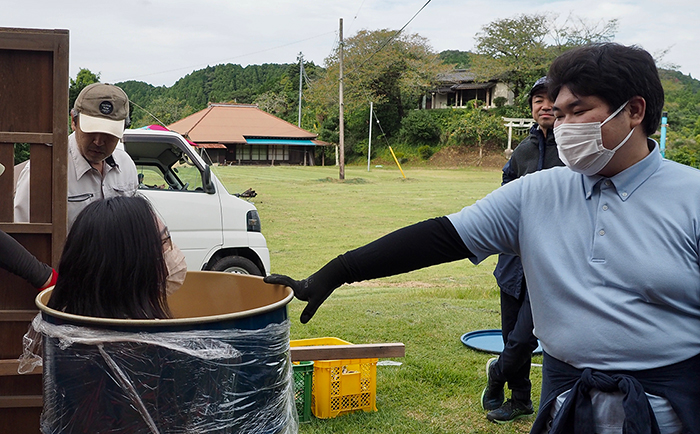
[340,352]
[33,110]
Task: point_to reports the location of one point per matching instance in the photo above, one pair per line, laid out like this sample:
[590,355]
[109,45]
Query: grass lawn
[309,217]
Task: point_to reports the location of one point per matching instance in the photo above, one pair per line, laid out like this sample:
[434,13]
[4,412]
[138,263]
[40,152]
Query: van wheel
[236,264]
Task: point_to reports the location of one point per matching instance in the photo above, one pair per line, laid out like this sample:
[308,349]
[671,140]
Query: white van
[214,229]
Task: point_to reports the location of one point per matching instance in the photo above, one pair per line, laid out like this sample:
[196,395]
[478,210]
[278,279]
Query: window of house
[258,152]
[242,152]
[280,152]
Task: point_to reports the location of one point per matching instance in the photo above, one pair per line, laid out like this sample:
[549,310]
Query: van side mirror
[207,185]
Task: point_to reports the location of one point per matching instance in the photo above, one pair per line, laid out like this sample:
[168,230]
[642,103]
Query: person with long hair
[112,264]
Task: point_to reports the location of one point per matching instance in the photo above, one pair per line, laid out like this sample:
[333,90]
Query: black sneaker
[510,411]
[492,397]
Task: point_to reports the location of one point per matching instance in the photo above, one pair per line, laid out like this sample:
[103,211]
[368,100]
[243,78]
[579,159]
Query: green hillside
[682,94]
[274,87]
[219,84]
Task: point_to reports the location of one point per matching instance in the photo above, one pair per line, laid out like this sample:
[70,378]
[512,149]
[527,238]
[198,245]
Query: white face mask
[581,147]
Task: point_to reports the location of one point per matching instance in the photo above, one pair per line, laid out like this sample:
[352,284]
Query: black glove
[423,244]
[316,288]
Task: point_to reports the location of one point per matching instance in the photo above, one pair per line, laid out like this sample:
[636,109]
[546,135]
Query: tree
[21,152]
[577,31]
[514,50]
[460,59]
[478,127]
[272,102]
[84,78]
[519,50]
[141,93]
[682,102]
[162,109]
[420,127]
[393,71]
[228,82]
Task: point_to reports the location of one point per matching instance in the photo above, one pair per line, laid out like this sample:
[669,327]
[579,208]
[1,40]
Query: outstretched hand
[309,290]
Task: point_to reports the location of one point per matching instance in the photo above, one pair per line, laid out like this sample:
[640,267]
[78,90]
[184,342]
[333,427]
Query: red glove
[51,281]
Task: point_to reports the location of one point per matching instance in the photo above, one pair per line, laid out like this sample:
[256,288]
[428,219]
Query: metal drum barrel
[220,365]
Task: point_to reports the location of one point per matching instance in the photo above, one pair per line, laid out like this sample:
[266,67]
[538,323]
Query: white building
[458,87]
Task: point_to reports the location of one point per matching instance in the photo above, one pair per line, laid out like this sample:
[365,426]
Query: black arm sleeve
[421,245]
[17,260]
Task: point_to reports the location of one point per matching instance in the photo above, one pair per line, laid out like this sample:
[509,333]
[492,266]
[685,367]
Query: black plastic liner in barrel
[221,365]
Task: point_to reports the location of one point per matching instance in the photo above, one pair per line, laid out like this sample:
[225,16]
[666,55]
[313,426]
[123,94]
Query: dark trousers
[513,366]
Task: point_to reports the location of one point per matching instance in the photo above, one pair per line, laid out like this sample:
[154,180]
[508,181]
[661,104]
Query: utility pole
[662,142]
[301,73]
[341,121]
[369,148]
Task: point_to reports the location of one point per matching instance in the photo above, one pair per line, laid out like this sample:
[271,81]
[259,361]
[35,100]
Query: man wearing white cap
[96,169]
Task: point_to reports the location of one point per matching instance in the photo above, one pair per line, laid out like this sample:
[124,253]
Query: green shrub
[512,111]
[425,152]
[683,150]
[360,148]
[477,128]
[475,103]
[420,126]
[21,152]
[400,155]
[500,101]
[684,155]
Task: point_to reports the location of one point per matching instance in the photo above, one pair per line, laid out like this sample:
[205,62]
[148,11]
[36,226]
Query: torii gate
[511,123]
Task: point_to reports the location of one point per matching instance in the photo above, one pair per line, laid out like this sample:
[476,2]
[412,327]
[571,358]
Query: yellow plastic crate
[341,386]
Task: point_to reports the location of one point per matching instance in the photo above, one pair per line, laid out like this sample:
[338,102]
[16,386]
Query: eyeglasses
[165,236]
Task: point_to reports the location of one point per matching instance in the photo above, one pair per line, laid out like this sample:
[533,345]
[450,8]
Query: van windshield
[163,166]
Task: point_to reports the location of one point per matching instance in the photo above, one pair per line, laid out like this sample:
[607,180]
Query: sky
[159,41]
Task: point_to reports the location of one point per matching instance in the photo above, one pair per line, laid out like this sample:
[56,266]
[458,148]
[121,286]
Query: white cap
[94,124]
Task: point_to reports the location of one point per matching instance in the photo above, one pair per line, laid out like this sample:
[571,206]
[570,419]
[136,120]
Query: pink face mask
[580,146]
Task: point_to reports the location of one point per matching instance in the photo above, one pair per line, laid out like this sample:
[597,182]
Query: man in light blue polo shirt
[610,247]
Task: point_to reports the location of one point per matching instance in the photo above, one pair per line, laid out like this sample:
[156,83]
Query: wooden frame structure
[33,110]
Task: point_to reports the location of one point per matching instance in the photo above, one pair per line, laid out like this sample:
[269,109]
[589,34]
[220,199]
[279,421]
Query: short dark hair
[613,72]
[112,264]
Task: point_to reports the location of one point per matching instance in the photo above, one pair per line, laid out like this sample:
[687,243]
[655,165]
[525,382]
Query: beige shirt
[85,183]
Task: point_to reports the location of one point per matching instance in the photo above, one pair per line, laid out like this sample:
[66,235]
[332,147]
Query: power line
[374,113]
[385,43]
[147,112]
[390,39]
[307,80]
[358,12]
[378,50]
